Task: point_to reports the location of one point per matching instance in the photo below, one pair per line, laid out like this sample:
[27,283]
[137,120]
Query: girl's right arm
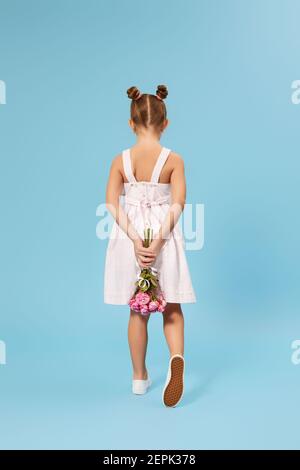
[113,191]
[178,196]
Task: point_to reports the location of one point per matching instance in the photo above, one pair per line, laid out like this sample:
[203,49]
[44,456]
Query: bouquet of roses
[148,297]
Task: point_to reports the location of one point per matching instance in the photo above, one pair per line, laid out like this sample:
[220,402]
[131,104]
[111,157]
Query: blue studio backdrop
[232,70]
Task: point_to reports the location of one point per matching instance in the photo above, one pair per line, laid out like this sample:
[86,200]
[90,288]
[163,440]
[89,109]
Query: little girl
[151,179]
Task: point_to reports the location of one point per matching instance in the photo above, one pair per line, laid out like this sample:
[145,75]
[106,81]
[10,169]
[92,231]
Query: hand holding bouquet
[148,297]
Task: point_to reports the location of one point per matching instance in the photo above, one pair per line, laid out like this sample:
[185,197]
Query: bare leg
[138,340]
[174,328]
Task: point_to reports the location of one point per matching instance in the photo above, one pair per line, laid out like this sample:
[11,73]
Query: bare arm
[178,196]
[113,192]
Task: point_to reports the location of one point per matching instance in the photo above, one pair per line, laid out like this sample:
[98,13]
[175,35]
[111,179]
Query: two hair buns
[134,93]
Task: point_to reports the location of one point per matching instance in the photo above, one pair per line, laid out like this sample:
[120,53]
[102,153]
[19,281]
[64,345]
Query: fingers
[144,262]
[145,259]
[146,252]
[144,265]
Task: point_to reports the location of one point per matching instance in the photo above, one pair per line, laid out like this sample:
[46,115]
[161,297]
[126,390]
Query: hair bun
[162,91]
[133,93]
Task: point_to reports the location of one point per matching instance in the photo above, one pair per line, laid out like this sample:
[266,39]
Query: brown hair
[148,110]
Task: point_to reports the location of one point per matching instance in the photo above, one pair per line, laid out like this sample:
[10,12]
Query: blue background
[229,66]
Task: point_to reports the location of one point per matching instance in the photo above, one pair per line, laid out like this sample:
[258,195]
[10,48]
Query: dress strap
[127,166]
[159,164]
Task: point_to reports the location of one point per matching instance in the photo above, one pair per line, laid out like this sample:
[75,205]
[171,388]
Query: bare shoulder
[117,161]
[176,160]
[116,166]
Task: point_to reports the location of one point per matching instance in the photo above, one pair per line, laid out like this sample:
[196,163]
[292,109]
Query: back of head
[146,110]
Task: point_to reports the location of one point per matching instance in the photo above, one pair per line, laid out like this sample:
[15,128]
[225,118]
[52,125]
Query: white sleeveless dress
[146,202]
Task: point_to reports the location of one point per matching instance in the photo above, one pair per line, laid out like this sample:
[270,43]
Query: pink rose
[160,308]
[153,306]
[162,300]
[132,301]
[136,308]
[134,305]
[142,298]
[144,309]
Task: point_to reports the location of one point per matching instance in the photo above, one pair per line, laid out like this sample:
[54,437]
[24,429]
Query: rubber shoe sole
[174,387]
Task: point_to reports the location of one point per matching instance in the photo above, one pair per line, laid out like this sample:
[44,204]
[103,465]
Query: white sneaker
[174,386]
[139,386]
